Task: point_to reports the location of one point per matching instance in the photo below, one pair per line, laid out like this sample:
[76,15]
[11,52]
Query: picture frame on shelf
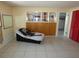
[44,16]
[52,16]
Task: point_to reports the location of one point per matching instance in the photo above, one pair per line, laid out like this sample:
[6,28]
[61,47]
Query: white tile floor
[51,47]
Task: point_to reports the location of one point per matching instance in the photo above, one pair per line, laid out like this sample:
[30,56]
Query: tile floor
[51,47]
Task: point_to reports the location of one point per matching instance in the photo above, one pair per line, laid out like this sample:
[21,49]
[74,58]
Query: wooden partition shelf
[48,28]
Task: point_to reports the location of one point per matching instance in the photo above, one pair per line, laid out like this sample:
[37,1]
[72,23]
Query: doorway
[61,25]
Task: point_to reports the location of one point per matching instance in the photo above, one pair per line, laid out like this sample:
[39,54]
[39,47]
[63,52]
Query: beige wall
[7,33]
[5,8]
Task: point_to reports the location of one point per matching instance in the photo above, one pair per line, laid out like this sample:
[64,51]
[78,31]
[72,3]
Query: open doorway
[61,25]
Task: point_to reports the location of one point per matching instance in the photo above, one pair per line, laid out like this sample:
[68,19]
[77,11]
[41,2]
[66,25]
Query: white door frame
[58,22]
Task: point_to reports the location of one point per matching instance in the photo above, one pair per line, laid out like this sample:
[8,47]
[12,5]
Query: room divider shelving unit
[42,22]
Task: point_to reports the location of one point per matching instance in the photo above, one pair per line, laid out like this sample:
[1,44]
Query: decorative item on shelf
[44,16]
[34,16]
[29,16]
[51,16]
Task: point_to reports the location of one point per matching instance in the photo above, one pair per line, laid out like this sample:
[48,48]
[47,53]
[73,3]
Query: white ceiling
[44,3]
